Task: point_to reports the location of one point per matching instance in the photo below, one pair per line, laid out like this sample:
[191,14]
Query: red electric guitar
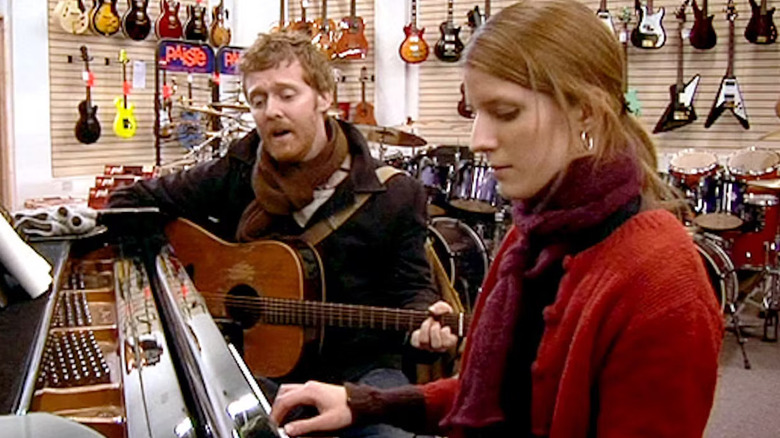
[703,36]
[325,33]
[761,28]
[168,24]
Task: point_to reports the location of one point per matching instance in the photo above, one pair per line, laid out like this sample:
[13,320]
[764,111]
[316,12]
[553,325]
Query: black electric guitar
[196,29]
[87,128]
[680,111]
[274,290]
[649,32]
[703,36]
[729,97]
[449,46]
[605,16]
[136,23]
[761,28]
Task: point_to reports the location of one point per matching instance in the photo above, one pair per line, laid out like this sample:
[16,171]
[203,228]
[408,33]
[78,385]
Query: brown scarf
[283,188]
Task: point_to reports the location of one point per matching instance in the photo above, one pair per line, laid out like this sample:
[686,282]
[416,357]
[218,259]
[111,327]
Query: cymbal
[201,109]
[236,106]
[771,184]
[390,136]
[774,135]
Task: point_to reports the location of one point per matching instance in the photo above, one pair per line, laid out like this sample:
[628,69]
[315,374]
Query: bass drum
[463,255]
[720,269]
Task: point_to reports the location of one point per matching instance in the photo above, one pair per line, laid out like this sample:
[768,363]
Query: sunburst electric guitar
[729,97]
[274,290]
[413,49]
[124,121]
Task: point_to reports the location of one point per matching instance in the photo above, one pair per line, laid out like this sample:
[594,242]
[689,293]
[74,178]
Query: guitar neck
[763,7]
[730,68]
[487,9]
[649,6]
[352,9]
[680,57]
[414,14]
[324,11]
[450,6]
[281,14]
[602,5]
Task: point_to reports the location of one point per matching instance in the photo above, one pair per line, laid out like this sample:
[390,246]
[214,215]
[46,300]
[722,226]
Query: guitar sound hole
[241,307]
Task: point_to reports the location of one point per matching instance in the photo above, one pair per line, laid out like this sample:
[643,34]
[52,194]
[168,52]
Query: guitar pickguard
[680,111]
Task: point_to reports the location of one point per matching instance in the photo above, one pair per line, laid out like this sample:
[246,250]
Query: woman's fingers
[330,401]
[431,335]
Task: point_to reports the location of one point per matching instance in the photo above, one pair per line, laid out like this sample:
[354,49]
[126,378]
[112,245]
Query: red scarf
[552,225]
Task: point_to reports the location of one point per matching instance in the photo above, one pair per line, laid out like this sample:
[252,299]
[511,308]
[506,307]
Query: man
[298,168]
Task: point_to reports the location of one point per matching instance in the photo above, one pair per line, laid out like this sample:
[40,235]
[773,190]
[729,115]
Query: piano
[126,346]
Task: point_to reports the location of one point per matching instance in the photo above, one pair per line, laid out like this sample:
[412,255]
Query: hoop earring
[587,140]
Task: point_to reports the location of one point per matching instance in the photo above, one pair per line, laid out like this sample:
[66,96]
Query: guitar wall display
[136,23]
[649,32]
[364,111]
[680,111]
[303,25]
[219,30]
[124,122]
[449,46]
[352,42]
[413,49]
[630,95]
[168,24]
[761,27]
[605,16]
[72,16]
[729,96]
[703,36]
[87,128]
[325,33]
[166,127]
[195,29]
[104,18]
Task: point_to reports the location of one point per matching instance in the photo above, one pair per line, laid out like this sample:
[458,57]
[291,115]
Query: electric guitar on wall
[649,32]
[196,29]
[761,28]
[219,31]
[364,111]
[352,44]
[72,16]
[680,111]
[166,127]
[104,18]
[631,95]
[325,33]
[282,25]
[703,36]
[413,49]
[341,108]
[168,24]
[475,18]
[605,16]
[136,23]
[449,46]
[303,25]
[87,128]
[124,121]
[275,290]
[729,97]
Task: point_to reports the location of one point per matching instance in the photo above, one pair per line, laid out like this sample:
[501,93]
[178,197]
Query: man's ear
[324,101]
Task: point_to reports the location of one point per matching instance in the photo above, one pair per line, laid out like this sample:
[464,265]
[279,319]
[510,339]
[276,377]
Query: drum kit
[468,216]
[736,227]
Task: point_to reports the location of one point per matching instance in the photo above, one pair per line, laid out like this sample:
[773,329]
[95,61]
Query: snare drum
[754,164]
[756,247]
[690,167]
[463,255]
[720,269]
[475,188]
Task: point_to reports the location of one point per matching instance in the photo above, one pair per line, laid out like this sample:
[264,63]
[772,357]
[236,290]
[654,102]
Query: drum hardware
[475,187]
[235,106]
[390,136]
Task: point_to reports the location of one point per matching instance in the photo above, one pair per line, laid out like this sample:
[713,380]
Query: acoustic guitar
[352,42]
[413,49]
[274,290]
[364,111]
[124,121]
[729,97]
[87,128]
[303,25]
[325,33]
[605,16]
[449,46]
[703,36]
[680,111]
[341,109]
[649,32]
[104,18]
[72,16]
[761,28]
[168,24]
[136,23]
[196,29]
[219,31]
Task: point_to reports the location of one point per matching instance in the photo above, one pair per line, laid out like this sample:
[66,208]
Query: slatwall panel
[650,71]
[69,156]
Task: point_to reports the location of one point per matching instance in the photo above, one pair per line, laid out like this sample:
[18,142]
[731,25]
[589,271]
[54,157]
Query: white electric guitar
[72,16]
[729,97]
[649,32]
[605,16]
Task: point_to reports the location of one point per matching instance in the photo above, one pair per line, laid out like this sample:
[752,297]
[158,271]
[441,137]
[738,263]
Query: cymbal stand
[771,298]
[731,308]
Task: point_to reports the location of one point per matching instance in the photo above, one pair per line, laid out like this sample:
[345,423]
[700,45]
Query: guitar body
[72,16]
[124,121]
[324,37]
[364,114]
[680,111]
[649,33]
[703,36]
[195,28]
[761,27]
[104,18]
[606,18]
[728,97]
[352,44]
[261,268]
[136,23]
[413,49]
[168,24]
[449,46]
[219,32]
[87,128]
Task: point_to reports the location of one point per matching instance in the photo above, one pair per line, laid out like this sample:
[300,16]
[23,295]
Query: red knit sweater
[632,340]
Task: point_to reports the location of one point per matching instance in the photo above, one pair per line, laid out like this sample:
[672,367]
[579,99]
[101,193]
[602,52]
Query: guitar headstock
[123,56]
[731,11]
[680,12]
[364,75]
[475,18]
[85,55]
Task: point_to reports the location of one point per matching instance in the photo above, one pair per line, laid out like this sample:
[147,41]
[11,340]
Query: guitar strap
[322,229]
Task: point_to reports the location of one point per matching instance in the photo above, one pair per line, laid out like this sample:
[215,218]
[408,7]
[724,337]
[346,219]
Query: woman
[597,317]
